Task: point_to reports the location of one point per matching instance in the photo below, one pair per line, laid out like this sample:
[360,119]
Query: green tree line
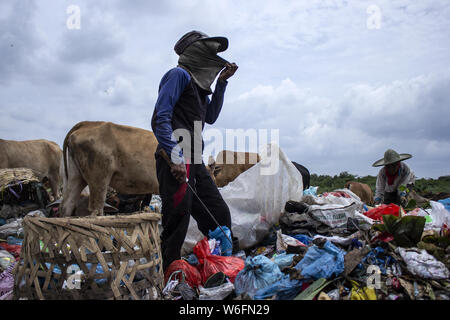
[423,186]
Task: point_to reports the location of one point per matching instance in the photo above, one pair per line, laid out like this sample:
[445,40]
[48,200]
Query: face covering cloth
[202,62]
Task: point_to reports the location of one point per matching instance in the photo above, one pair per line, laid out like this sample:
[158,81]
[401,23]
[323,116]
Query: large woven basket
[13,176]
[125,248]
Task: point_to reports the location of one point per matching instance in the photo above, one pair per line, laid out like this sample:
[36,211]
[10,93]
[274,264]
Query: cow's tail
[65,145]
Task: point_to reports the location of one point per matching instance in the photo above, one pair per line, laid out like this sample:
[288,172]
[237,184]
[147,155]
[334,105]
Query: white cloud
[339,92]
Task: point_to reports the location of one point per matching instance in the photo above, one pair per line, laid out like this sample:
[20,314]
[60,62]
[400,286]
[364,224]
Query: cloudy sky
[342,80]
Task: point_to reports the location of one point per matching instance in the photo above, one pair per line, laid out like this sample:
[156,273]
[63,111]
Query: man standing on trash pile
[394,174]
[183,106]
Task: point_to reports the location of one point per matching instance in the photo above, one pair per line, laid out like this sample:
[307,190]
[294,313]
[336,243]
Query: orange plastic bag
[210,264]
[384,209]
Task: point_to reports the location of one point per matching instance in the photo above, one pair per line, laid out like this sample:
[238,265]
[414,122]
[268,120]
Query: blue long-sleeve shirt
[171,87]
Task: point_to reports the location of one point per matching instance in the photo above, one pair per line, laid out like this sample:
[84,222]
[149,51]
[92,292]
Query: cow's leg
[71,194]
[97,196]
[54,185]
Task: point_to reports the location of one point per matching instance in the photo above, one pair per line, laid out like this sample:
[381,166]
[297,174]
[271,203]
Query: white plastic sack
[424,265]
[256,199]
[336,215]
[332,199]
[334,211]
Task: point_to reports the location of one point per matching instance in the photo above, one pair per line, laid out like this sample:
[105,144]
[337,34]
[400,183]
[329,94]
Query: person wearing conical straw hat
[395,173]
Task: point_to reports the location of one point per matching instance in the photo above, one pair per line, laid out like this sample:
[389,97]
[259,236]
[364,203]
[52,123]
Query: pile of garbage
[330,246]
[298,244]
[21,194]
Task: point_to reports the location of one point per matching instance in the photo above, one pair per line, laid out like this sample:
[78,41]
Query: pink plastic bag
[210,264]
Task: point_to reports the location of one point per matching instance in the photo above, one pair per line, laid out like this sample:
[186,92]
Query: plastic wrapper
[192,275]
[7,283]
[226,247]
[283,241]
[6,259]
[339,240]
[12,249]
[362,293]
[322,263]
[256,198]
[216,293]
[210,264]
[258,273]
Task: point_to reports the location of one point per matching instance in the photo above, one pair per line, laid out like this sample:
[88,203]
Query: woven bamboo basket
[13,176]
[117,257]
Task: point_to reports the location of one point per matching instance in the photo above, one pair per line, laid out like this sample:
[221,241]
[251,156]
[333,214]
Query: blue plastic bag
[303,238]
[283,260]
[283,289]
[446,203]
[14,241]
[258,273]
[225,246]
[378,257]
[322,263]
[311,191]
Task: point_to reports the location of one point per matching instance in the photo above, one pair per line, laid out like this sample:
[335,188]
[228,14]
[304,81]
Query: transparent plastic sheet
[256,198]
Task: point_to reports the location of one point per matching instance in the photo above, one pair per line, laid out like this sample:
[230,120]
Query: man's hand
[230,69]
[179,172]
[403,201]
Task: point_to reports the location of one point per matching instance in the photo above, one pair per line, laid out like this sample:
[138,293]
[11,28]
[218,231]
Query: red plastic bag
[384,209]
[192,276]
[210,264]
[13,249]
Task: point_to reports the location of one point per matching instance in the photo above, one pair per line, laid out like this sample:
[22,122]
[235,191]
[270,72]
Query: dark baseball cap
[193,36]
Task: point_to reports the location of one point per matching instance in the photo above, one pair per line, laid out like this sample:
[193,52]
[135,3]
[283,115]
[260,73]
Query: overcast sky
[342,80]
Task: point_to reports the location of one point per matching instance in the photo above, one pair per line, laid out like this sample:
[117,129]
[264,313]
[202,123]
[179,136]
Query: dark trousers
[179,203]
[391,197]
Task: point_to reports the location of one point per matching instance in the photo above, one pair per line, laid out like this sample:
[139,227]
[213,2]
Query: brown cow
[41,156]
[102,154]
[230,164]
[362,190]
